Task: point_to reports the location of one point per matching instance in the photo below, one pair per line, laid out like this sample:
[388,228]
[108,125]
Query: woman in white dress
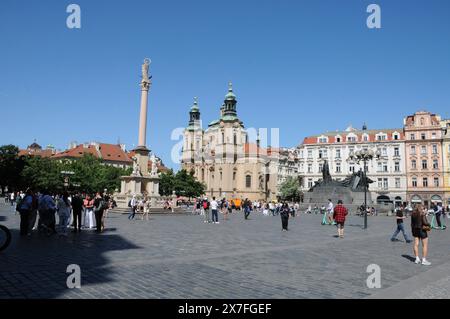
[89,220]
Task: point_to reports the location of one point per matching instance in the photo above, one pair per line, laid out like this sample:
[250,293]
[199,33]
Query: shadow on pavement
[36,266]
[410,258]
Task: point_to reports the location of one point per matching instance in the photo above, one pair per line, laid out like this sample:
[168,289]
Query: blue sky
[303,66]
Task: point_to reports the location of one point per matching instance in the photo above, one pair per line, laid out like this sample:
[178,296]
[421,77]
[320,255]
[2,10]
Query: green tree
[185,184]
[11,166]
[290,189]
[166,183]
[42,173]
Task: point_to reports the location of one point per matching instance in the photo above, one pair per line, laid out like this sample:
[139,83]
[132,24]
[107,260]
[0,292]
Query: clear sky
[302,66]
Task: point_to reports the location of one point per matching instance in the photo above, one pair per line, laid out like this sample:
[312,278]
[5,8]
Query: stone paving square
[179,256]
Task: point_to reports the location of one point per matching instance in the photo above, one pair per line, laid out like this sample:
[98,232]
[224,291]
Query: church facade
[222,158]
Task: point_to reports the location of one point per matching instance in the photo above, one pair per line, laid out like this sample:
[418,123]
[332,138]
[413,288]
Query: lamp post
[66,175]
[364,156]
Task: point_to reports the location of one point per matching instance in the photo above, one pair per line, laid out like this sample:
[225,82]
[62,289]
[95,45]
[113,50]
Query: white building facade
[388,172]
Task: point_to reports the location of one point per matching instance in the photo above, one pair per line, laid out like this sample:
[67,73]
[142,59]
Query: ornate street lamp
[364,156]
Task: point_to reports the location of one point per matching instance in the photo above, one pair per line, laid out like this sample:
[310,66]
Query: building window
[309,168]
[351,168]
[424,164]
[413,150]
[395,136]
[397,183]
[385,167]
[384,151]
[380,167]
[414,182]
[435,164]
[234,176]
[381,137]
[412,136]
[385,183]
[338,167]
[322,140]
[320,168]
[396,151]
[423,136]
[310,182]
[434,149]
[423,150]
[397,166]
[380,183]
[309,153]
[320,153]
[248,181]
[235,139]
[338,139]
[433,135]
[366,138]
[338,153]
[425,182]
[436,182]
[413,164]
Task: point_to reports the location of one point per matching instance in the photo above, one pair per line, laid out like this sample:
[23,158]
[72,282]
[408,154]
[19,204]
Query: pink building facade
[424,162]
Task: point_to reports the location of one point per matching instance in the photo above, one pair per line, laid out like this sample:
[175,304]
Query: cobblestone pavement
[178,256]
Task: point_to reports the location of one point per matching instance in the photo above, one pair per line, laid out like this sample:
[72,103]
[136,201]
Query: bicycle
[5,237]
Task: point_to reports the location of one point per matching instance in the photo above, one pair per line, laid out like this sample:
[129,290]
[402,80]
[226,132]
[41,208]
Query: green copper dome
[230,95]
[195,107]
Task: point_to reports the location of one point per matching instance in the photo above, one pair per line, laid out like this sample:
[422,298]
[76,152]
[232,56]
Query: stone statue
[326,176]
[136,167]
[154,167]
[145,67]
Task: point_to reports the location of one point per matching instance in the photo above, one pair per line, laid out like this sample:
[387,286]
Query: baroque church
[222,158]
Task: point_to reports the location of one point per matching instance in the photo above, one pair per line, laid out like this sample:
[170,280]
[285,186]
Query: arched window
[248,181]
[234,139]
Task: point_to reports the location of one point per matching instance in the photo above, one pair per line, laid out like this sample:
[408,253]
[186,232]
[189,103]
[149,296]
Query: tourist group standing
[76,208]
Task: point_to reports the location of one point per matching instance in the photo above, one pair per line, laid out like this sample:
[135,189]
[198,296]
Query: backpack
[205,204]
[129,203]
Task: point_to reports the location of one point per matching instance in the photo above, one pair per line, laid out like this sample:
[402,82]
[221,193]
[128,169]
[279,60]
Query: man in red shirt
[339,214]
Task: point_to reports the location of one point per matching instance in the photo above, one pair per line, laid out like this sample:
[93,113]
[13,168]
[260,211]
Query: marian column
[145,86]
[141,150]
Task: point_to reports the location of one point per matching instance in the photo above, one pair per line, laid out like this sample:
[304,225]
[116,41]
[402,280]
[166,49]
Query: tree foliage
[290,189]
[183,183]
[89,173]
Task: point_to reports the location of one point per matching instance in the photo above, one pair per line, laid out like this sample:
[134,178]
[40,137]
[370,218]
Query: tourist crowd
[39,211]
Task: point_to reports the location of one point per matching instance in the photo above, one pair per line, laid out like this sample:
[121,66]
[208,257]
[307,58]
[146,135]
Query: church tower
[191,154]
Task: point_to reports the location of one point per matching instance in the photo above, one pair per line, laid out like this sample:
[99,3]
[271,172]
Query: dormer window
[323,139]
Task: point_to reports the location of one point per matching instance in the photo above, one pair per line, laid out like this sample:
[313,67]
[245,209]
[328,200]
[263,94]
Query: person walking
[64,210]
[77,208]
[214,211]
[339,214]
[284,213]
[330,211]
[420,228]
[206,206]
[24,207]
[247,208]
[99,208]
[147,205]
[399,217]
[133,205]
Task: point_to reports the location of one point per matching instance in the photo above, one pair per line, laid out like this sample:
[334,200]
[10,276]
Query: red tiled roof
[253,149]
[37,152]
[107,152]
[359,135]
